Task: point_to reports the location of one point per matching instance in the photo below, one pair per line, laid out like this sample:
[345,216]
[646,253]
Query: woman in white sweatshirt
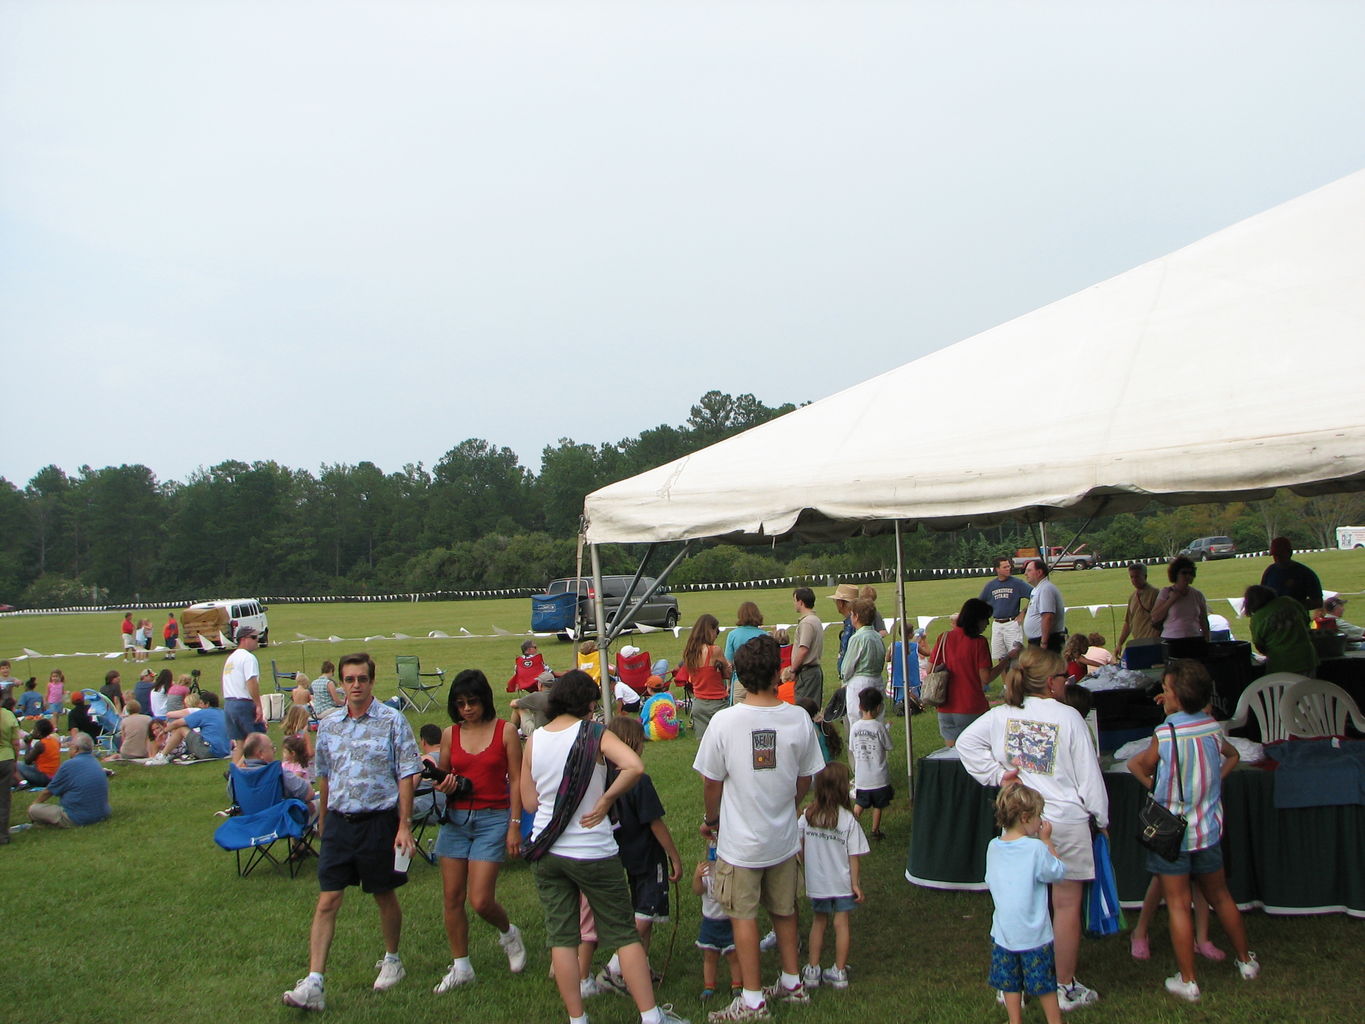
[1035,739]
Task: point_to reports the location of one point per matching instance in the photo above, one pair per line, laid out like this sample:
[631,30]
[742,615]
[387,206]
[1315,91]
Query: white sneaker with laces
[159,759]
[737,1010]
[1182,989]
[459,974]
[810,975]
[588,987]
[391,972]
[306,995]
[1070,997]
[1249,968]
[778,993]
[514,948]
[669,1017]
[768,942]
[834,977]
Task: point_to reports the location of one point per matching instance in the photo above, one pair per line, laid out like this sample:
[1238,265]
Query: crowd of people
[564,787]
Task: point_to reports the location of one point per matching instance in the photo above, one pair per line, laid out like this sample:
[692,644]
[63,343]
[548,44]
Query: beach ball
[660,717]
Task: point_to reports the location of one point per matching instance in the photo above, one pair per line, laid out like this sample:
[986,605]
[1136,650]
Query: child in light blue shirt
[1019,867]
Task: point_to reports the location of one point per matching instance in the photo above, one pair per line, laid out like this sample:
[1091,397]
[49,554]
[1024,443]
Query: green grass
[142,918]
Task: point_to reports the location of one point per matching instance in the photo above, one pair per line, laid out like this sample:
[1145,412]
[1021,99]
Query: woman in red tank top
[482,821]
[708,672]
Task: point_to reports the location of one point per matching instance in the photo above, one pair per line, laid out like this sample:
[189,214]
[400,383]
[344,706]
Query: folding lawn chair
[288,678]
[106,716]
[428,811]
[412,692]
[634,670]
[264,816]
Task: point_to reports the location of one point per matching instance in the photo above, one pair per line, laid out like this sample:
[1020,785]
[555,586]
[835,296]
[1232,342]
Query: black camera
[463,787]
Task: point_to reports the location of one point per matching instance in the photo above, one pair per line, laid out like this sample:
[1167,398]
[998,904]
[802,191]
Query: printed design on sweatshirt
[1031,746]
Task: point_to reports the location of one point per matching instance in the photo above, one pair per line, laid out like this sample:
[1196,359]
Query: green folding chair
[412,691]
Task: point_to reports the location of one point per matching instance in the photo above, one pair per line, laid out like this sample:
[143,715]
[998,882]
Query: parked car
[1077,559]
[220,620]
[555,611]
[1208,548]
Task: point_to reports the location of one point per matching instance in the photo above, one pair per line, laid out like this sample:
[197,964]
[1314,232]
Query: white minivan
[220,620]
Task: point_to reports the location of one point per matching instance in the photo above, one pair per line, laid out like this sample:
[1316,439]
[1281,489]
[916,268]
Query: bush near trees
[480,520]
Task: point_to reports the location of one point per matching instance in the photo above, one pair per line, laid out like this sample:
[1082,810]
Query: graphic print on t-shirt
[1031,746]
[765,749]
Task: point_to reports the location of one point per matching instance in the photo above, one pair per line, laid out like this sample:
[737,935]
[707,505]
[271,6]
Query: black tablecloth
[1302,861]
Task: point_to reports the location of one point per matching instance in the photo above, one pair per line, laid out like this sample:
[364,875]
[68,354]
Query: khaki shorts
[1075,849]
[739,891]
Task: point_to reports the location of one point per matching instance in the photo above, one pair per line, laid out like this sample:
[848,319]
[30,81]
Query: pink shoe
[1139,948]
[1209,951]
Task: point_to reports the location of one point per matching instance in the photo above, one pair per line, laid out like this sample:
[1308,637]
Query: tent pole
[599,610]
[578,619]
[905,665]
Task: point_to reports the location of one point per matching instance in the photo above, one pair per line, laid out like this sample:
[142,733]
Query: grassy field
[142,918]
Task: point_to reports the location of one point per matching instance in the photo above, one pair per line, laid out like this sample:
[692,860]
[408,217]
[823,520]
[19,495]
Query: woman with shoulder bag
[482,825]
[966,655]
[1184,768]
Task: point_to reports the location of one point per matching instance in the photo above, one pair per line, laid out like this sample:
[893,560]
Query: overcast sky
[332,232]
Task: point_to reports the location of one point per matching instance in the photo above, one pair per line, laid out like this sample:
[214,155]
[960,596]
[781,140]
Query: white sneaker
[810,975]
[768,942]
[158,760]
[1069,997]
[588,987]
[391,972]
[779,993]
[1249,968]
[738,1011]
[1182,989]
[514,948]
[459,974]
[834,977]
[669,1017]
[306,995]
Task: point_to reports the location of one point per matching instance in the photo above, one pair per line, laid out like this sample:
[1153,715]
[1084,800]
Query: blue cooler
[551,613]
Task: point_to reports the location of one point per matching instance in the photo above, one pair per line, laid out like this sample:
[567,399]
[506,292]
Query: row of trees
[478,520]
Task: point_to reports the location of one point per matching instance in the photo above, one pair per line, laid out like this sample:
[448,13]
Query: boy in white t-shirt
[869,742]
[757,760]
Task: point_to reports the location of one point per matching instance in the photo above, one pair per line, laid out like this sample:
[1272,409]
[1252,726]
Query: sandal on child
[1139,948]
[1209,951]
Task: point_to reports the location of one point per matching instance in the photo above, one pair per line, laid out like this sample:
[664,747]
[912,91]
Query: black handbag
[1160,829]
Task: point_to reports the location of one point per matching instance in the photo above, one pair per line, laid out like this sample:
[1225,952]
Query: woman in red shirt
[482,824]
[967,656]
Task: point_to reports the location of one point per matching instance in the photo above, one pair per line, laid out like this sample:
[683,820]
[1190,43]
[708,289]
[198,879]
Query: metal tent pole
[905,665]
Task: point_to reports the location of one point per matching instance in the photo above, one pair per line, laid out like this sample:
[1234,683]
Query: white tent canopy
[1220,372]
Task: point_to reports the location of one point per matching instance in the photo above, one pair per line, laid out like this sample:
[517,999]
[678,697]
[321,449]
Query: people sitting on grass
[295,723]
[257,751]
[79,719]
[30,703]
[113,689]
[202,731]
[44,755]
[326,697]
[81,787]
[143,690]
[135,731]
[161,693]
[178,692]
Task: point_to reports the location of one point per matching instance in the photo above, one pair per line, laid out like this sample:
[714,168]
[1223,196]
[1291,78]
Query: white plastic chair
[1315,707]
[1264,699]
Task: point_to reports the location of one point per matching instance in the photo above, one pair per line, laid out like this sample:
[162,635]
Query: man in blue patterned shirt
[366,767]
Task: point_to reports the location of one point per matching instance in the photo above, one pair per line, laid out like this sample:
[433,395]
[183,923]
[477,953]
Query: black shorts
[359,853]
[879,797]
[649,893]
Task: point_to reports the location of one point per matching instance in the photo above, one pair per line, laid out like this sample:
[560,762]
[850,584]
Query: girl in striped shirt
[1191,737]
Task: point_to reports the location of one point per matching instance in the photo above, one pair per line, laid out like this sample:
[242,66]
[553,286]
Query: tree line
[478,519]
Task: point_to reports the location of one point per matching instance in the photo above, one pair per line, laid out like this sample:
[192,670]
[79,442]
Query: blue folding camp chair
[264,816]
[106,716]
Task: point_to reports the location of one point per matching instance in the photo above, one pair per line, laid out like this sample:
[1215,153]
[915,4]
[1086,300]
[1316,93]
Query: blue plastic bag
[1103,915]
